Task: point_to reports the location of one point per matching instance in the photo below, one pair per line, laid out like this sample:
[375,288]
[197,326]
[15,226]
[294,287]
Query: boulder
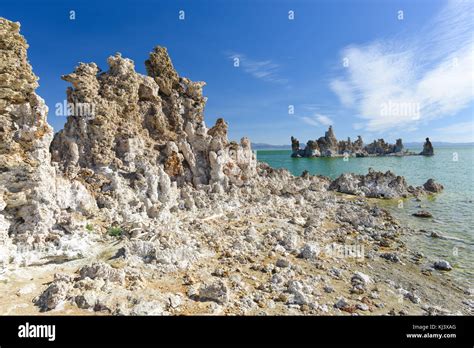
[310,251]
[342,304]
[100,270]
[55,293]
[282,263]
[423,214]
[442,265]
[431,186]
[390,257]
[361,278]
[216,292]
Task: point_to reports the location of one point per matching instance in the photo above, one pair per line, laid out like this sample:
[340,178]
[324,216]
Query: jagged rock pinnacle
[27,204]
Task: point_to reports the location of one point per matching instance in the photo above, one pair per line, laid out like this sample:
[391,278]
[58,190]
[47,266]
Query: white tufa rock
[310,250]
[443,265]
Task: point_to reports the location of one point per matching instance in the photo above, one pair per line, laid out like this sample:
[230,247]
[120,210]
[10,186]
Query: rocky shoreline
[137,208]
[329,146]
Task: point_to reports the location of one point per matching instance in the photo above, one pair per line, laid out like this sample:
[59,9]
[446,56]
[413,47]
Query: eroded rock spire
[35,202]
[27,204]
[146,139]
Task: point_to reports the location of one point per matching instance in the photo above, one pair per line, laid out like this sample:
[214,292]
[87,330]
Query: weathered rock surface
[269,252]
[26,173]
[33,198]
[55,293]
[146,139]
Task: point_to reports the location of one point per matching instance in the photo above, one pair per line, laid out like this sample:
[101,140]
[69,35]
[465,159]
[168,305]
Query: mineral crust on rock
[26,174]
[33,198]
[146,139]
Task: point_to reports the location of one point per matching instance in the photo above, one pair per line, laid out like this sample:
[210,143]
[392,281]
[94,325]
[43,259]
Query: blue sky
[362,66]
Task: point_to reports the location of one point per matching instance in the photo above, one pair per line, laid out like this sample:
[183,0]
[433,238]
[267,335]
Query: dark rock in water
[427,148]
[312,149]
[295,147]
[329,146]
[380,147]
[442,265]
[423,214]
[398,146]
[432,186]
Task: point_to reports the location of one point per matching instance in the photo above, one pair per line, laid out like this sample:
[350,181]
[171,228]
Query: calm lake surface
[452,209]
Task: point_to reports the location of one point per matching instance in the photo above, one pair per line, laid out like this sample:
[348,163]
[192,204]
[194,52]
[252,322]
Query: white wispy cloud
[403,82]
[266,70]
[344,92]
[324,120]
[317,120]
[458,132]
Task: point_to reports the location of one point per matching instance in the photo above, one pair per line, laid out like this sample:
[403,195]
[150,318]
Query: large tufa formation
[328,143]
[33,199]
[133,148]
[145,138]
[329,146]
[26,176]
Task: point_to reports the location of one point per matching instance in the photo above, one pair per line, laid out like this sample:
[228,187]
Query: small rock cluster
[329,146]
[381,185]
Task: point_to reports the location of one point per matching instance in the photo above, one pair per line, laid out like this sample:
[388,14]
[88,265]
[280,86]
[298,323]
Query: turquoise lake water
[452,209]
